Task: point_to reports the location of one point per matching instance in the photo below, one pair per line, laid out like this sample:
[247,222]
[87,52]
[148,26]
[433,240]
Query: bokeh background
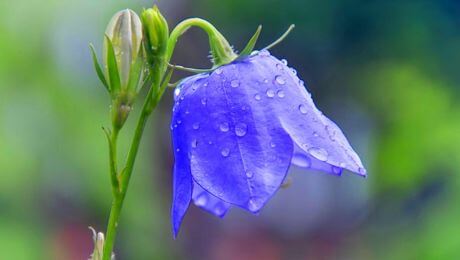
[385,71]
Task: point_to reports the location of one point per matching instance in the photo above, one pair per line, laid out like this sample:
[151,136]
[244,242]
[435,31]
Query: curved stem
[220,48]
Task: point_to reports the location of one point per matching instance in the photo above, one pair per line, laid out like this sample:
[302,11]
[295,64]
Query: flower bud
[123,41]
[156,32]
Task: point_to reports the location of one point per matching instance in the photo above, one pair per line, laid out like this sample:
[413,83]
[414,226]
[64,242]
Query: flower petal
[209,202]
[238,152]
[182,181]
[321,143]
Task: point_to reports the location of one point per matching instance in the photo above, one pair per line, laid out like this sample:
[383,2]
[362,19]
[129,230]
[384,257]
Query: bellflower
[237,130]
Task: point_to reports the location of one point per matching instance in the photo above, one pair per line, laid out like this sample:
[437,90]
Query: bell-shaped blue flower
[237,130]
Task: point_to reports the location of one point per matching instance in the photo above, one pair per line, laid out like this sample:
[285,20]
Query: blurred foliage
[393,61]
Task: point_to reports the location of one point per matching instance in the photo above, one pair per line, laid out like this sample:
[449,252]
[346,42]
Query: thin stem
[113,160]
[281,38]
[125,176]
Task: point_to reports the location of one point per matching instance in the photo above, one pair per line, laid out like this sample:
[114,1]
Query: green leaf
[99,72]
[250,45]
[112,67]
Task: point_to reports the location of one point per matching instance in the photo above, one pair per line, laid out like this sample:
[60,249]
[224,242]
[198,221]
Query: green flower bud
[123,41]
[156,33]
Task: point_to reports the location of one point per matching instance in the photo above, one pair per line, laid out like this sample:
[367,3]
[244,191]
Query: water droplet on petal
[280,80]
[272,145]
[218,71]
[284,61]
[254,52]
[303,109]
[336,170]
[209,142]
[235,83]
[225,152]
[219,209]
[301,160]
[241,129]
[187,112]
[315,134]
[196,125]
[249,174]
[252,205]
[175,125]
[201,200]
[294,71]
[257,97]
[176,92]
[270,93]
[280,94]
[264,53]
[224,127]
[265,80]
[177,150]
[318,153]
[204,101]
[194,143]
[179,122]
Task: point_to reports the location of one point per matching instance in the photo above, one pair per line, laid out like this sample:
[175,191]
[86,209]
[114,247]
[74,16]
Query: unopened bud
[156,32]
[124,32]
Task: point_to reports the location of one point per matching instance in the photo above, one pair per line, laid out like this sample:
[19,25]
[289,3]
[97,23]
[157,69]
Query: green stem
[220,48]
[124,178]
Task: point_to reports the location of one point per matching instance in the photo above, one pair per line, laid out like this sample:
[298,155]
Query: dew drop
[265,81]
[252,206]
[336,170]
[315,134]
[210,142]
[196,126]
[225,152]
[254,52]
[303,109]
[294,71]
[257,97]
[218,71]
[284,61]
[301,160]
[187,112]
[194,143]
[224,127]
[201,200]
[176,92]
[280,94]
[175,125]
[179,122]
[219,209]
[264,53]
[249,174]
[177,150]
[318,153]
[270,93]
[235,83]
[280,80]
[241,129]
[272,145]
[204,101]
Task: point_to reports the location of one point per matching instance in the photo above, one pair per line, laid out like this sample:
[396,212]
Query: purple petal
[238,152]
[208,202]
[317,139]
[182,182]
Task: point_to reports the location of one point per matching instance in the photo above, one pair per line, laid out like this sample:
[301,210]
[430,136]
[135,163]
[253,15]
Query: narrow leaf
[99,72]
[112,67]
[252,42]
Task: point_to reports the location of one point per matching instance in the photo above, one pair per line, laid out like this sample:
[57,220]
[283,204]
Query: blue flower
[236,131]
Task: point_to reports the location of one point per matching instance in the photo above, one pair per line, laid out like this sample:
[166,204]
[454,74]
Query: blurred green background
[385,71]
